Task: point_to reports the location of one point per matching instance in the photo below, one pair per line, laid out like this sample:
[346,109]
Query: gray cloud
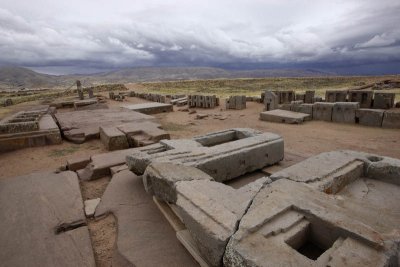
[111,34]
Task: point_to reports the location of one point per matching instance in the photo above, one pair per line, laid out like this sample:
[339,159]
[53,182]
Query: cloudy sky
[88,36]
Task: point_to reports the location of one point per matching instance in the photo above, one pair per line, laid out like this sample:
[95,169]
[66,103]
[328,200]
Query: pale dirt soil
[303,140]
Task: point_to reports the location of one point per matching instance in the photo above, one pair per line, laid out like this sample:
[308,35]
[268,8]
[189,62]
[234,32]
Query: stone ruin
[334,209]
[326,210]
[80,126]
[134,134]
[236,102]
[353,111]
[223,155]
[29,128]
[203,101]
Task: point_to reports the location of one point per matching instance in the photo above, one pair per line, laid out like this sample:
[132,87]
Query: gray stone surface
[211,211]
[100,164]
[80,126]
[113,138]
[345,112]
[391,119]
[326,167]
[149,108]
[370,117]
[77,163]
[143,133]
[32,208]
[160,179]
[144,236]
[283,116]
[322,111]
[222,155]
[293,220]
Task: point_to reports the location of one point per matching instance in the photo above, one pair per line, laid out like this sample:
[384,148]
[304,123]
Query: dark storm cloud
[111,34]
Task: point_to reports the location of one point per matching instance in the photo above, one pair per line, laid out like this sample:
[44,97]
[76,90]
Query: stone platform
[150,108]
[284,116]
[42,221]
[144,236]
[29,129]
[79,126]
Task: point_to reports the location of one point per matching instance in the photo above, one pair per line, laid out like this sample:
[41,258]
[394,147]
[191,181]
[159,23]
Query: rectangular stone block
[335,96]
[383,100]
[113,139]
[78,163]
[364,97]
[322,111]
[345,112]
[391,119]
[370,117]
[271,100]
[150,108]
[304,108]
[309,96]
[283,116]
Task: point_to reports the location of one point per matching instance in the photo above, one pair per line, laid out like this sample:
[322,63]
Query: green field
[253,87]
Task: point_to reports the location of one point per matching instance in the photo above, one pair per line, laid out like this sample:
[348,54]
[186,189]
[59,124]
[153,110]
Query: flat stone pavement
[31,209]
[144,238]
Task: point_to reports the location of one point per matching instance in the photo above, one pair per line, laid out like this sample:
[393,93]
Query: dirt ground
[305,140]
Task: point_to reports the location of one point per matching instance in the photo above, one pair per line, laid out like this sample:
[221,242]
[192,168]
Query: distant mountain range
[17,77]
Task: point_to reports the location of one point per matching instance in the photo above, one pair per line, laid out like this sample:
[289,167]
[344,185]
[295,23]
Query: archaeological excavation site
[126,175]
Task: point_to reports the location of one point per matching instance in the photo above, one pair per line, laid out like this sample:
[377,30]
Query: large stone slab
[326,167]
[391,119]
[311,228]
[283,116]
[144,236]
[113,138]
[345,112]
[79,126]
[370,117]
[334,209]
[211,211]
[222,155]
[33,208]
[143,133]
[28,129]
[160,179]
[150,108]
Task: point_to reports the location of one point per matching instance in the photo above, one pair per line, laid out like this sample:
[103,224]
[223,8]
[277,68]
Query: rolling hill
[18,77]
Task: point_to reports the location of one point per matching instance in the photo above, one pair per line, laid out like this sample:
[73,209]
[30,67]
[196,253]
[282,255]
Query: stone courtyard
[114,186]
